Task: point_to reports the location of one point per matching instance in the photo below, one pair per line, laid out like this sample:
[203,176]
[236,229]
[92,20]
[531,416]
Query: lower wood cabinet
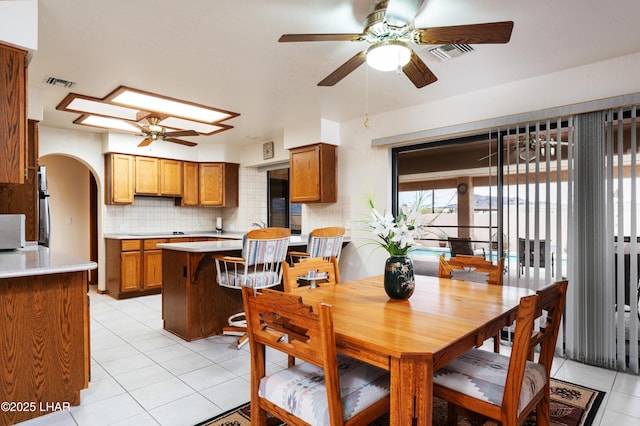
[134,267]
[44,336]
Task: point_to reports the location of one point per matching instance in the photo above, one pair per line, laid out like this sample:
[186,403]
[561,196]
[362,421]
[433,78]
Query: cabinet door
[170,177]
[152,269]
[305,174]
[313,174]
[130,271]
[13,114]
[119,169]
[211,184]
[190,181]
[147,181]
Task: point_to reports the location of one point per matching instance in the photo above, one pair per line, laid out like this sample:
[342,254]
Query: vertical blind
[571,192]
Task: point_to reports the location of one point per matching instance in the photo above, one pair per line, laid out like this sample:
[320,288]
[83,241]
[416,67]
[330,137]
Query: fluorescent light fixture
[108,123]
[124,106]
[150,102]
[388,55]
[205,129]
[86,105]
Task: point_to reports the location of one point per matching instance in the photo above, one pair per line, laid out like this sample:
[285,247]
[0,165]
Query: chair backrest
[326,242]
[271,315]
[460,245]
[263,251]
[550,301]
[550,304]
[265,246]
[291,273]
[472,268]
[522,252]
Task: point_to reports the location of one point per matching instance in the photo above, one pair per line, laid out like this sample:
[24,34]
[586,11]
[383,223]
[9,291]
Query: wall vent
[449,51]
[54,81]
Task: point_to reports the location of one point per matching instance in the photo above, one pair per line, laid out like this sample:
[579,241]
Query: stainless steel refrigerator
[44,214]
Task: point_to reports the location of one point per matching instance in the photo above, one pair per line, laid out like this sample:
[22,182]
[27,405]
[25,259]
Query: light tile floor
[143,375]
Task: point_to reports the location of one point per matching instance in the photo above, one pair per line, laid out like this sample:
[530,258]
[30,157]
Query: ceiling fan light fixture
[388,55]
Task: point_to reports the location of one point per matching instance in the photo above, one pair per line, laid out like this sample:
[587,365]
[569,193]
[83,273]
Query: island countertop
[38,260]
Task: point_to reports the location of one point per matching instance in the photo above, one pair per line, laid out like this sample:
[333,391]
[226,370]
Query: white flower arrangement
[396,234]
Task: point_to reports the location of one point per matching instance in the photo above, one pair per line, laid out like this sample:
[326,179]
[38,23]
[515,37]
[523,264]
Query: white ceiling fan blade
[402,12]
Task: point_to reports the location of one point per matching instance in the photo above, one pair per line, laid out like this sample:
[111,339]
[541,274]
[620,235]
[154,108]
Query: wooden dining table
[413,338]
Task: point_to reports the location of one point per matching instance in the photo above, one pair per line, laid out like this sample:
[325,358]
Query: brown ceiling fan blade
[320,37]
[418,72]
[492,32]
[344,69]
[145,142]
[182,133]
[180,141]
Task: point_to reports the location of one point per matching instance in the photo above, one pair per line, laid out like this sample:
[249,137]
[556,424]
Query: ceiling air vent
[54,81]
[449,51]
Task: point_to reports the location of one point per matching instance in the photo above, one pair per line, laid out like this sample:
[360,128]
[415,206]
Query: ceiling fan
[528,148]
[154,131]
[390,28]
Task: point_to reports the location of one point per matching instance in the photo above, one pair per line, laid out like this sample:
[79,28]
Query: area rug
[571,405]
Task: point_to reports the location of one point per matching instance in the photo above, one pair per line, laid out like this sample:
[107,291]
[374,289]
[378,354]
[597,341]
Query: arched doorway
[74,200]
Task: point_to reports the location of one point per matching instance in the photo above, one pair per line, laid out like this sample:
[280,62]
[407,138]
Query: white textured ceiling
[224,53]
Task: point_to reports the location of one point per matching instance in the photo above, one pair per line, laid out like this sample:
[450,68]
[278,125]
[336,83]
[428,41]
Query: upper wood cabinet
[190,187]
[313,174]
[219,184]
[119,177]
[13,114]
[170,177]
[147,176]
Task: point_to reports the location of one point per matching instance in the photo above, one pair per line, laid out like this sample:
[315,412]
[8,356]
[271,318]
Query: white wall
[364,170]
[19,23]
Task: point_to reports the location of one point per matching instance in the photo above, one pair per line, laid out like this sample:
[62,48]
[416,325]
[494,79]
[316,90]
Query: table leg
[411,390]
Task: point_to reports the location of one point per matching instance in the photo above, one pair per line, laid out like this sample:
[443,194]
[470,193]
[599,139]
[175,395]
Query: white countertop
[217,246]
[160,234]
[39,260]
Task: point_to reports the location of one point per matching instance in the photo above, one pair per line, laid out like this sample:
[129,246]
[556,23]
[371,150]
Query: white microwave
[12,231]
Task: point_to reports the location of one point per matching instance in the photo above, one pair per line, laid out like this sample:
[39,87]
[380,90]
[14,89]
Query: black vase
[399,282]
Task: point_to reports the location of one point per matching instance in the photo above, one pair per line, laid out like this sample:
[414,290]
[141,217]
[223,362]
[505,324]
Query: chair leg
[243,340]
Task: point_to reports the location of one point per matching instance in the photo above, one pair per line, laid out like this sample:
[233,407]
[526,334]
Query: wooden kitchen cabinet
[219,184]
[147,176]
[134,267]
[152,261]
[130,261]
[190,187]
[313,174]
[119,178]
[13,114]
[170,177]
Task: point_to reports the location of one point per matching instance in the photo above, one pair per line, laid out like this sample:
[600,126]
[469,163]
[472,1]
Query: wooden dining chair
[322,242]
[504,388]
[291,274]
[260,266]
[476,269]
[327,388]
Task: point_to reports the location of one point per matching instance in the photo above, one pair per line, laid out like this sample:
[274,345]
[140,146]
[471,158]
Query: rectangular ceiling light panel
[86,105]
[107,123]
[203,128]
[150,102]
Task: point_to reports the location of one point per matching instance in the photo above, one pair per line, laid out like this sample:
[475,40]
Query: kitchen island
[44,332]
[194,306]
